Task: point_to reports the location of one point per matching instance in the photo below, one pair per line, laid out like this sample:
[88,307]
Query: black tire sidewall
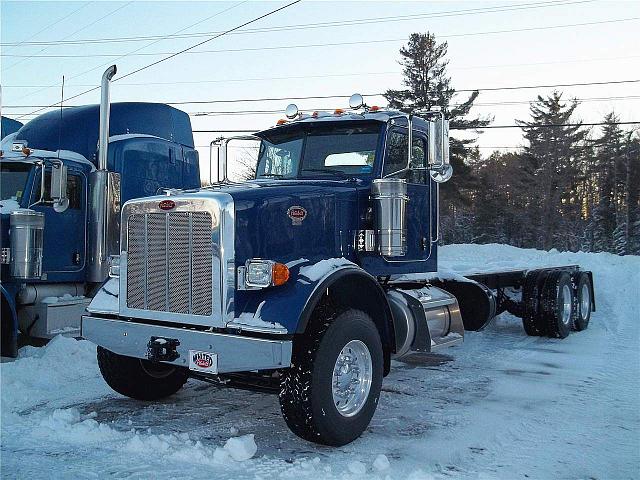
[335,428]
[580,323]
[128,376]
[554,291]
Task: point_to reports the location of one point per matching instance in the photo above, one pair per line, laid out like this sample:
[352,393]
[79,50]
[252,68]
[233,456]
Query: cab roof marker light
[282,121]
[338,111]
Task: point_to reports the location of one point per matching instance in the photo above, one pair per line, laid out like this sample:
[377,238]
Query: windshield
[318,152]
[13,179]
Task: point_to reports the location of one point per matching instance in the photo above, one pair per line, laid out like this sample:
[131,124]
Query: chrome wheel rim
[585,301]
[351,381]
[566,304]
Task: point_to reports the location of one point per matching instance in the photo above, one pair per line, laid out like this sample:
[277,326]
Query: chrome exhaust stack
[390,199]
[105,110]
[104,197]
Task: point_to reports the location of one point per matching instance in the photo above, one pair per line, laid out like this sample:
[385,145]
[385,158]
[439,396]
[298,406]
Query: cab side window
[396,158]
[74,190]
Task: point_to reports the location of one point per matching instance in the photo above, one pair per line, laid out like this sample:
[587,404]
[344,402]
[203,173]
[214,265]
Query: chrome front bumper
[235,353]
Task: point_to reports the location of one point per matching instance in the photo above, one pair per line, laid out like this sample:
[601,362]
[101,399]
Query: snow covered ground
[503,405]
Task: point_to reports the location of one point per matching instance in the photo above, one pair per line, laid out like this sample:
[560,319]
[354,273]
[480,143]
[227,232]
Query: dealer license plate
[205,362]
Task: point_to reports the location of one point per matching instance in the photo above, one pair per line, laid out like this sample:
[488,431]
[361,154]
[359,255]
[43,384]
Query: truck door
[64,232]
[419,223]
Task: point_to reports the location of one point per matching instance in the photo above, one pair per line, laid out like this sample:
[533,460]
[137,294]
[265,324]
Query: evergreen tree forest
[570,187]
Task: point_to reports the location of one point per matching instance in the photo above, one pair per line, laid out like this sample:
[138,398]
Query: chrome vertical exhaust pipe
[105,109]
[104,197]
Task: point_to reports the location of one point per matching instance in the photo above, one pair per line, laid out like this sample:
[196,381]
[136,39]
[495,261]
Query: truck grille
[169,262]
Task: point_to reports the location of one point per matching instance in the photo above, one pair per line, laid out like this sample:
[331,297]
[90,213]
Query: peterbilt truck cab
[60,199]
[307,280]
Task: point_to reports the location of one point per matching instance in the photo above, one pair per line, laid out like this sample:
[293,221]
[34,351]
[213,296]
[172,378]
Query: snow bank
[64,369]
[501,406]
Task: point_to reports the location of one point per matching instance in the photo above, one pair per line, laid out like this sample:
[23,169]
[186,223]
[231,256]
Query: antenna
[60,124]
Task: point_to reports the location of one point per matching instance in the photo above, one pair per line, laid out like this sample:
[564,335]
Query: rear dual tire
[558,304]
[583,302]
[555,303]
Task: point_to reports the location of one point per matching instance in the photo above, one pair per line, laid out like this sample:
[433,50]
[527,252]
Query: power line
[329,44]
[26,40]
[133,52]
[461,128]
[307,110]
[244,79]
[319,97]
[182,51]
[72,34]
[362,21]
[522,87]
[325,75]
[548,125]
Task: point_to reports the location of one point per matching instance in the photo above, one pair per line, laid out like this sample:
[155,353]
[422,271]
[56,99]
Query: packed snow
[255,319]
[323,267]
[9,205]
[106,300]
[500,406]
[67,297]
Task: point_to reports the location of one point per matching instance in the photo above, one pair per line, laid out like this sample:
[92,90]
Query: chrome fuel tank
[425,319]
[27,238]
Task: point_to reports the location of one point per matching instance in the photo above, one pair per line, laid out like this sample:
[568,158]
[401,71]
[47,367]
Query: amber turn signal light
[279,274]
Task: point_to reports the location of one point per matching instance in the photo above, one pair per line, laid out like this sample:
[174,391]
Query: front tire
[331,391]
[140,379]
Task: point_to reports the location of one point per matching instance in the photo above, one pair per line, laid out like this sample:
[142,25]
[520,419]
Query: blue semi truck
[60,197]
[308,280]
[8,126]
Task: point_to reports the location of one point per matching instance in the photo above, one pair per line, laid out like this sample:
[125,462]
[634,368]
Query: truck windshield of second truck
[318,152]
[13,178]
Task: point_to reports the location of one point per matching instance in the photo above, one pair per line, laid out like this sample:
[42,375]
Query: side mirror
[58,187]
[439,163]
[438,142]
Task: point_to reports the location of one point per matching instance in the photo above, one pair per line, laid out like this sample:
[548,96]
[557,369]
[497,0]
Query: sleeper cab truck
[310,279]
[60,199]
[8,126]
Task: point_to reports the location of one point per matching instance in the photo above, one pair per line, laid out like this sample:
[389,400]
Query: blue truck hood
[285,220]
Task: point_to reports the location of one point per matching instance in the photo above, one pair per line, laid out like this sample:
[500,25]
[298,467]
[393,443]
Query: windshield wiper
[270,175]
[322,170]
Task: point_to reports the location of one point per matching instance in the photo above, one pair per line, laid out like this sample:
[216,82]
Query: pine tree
[550,167]
[427,84]
[609,229]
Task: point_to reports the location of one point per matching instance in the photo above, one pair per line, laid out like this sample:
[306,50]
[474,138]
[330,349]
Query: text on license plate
[206,362]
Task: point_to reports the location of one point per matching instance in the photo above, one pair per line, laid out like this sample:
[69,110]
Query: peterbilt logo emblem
[297,214]
[167,205]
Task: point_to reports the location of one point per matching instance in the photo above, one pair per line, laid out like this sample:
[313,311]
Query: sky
[491,45]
